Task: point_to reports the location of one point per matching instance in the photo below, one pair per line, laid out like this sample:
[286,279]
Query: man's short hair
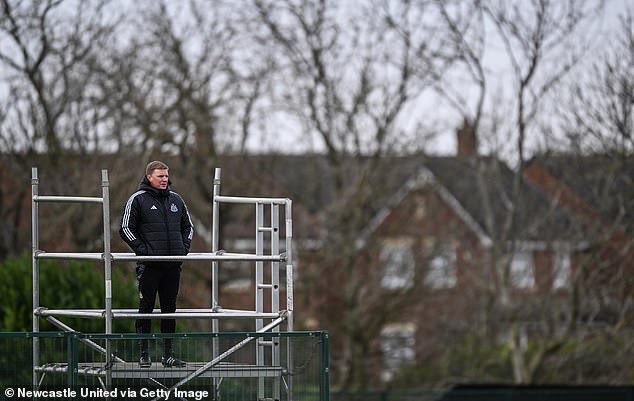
[155,165]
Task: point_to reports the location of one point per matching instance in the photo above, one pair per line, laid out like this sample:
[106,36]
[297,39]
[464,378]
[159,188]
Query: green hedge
[63,285]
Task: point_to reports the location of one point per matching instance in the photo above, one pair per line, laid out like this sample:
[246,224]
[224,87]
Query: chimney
[467,141]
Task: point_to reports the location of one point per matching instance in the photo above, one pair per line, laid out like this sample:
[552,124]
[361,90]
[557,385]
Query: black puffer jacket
[156,222]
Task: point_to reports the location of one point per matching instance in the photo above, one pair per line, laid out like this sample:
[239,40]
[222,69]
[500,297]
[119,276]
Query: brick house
[451,229]
[571,227]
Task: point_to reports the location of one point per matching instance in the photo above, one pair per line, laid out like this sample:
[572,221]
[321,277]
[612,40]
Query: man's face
[159,178]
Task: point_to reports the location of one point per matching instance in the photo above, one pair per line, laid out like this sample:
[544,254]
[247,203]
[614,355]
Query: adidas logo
[153,207]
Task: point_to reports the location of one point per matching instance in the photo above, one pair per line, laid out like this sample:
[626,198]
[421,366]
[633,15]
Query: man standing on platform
[156,222]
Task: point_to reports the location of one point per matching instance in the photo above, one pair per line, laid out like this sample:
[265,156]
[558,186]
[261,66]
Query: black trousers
[162,279]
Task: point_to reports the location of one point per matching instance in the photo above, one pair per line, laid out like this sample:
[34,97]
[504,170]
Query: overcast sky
[283,133]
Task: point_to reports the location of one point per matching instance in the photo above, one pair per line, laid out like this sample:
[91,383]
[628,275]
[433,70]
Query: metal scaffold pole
[215,232]
[289,292]
[107,260]
[275,294]
[259,289]
[36,270]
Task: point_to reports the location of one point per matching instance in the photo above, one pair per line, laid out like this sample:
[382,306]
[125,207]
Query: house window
[398,262]
[397,345]
[561,270]
[441,271]
[522,270]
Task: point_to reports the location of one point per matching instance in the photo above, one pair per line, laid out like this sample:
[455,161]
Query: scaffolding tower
[265,320]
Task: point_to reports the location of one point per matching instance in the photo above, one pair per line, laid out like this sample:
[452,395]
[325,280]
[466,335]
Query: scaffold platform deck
[131,370]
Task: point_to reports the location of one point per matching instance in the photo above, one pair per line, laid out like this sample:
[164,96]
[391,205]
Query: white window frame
[441,271]
[398,263]
[397,345]
[522,270]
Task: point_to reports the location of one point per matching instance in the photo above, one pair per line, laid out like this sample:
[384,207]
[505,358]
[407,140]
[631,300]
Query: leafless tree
[182,86]
[598,124]
[349,74]
[47,58]
[540,42]
[601,100]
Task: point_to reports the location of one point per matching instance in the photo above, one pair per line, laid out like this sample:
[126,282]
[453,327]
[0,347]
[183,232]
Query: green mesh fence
[223,366]
[492,393]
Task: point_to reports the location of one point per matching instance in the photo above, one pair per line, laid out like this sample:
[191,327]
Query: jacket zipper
[167,226]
